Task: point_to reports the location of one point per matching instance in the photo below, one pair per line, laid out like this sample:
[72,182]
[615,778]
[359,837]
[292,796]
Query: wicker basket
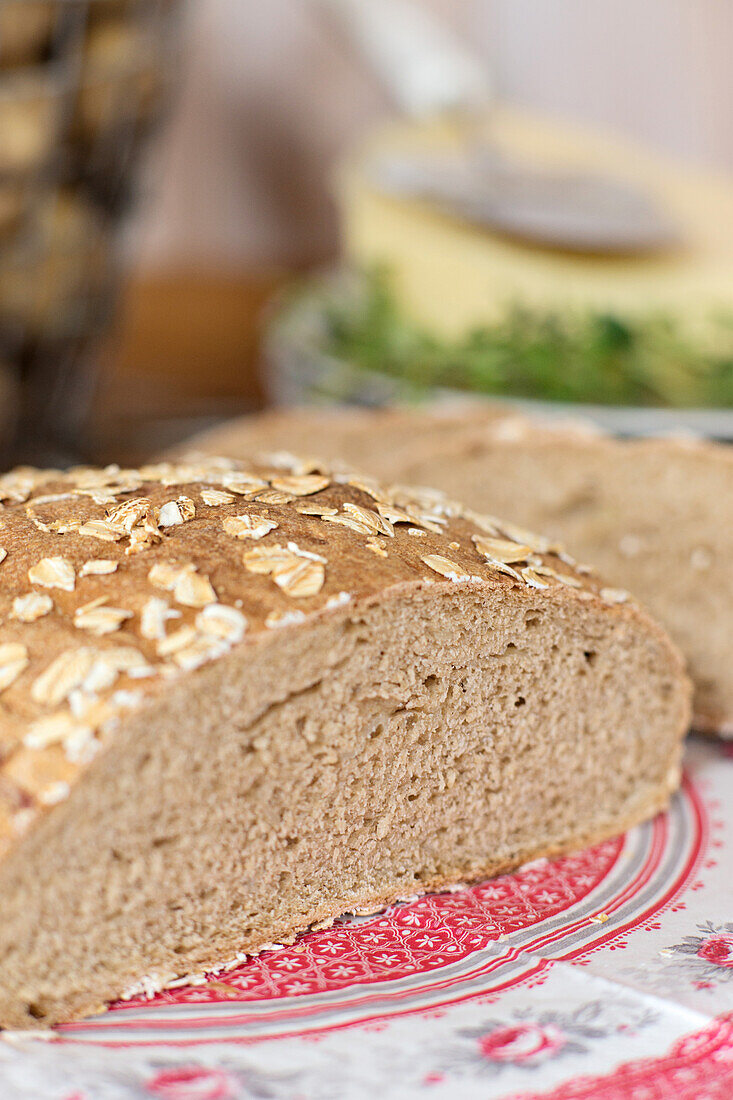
[81,83]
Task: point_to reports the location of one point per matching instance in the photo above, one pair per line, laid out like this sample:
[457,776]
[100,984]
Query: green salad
[594,358]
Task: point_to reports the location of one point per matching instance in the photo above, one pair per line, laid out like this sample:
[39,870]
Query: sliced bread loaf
[655,516]
[237,701]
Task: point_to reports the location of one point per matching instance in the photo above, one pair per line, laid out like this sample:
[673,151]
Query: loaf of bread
[238,700]
[655,516]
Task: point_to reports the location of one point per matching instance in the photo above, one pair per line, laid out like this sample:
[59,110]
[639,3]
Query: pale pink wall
[659,70]
[271,96]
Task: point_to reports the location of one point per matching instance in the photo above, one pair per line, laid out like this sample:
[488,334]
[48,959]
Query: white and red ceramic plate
[605,974]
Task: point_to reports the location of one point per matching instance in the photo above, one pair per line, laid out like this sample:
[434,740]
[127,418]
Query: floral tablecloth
[603,975]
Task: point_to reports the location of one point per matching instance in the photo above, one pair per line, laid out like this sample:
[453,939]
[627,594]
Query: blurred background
[211,205]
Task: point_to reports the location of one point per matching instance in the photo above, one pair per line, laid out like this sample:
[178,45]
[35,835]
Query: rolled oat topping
[245,526]
[26,609]
[98,567]
[214,498]
[13,661]
[53,573]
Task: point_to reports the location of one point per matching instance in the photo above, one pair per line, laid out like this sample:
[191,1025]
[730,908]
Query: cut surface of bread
[655,516]
[237,701]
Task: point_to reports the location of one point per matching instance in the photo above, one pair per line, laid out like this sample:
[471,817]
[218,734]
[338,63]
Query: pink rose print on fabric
[527,1040]
[718,949]
[709,955]
[522,1043]
[192,1083]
